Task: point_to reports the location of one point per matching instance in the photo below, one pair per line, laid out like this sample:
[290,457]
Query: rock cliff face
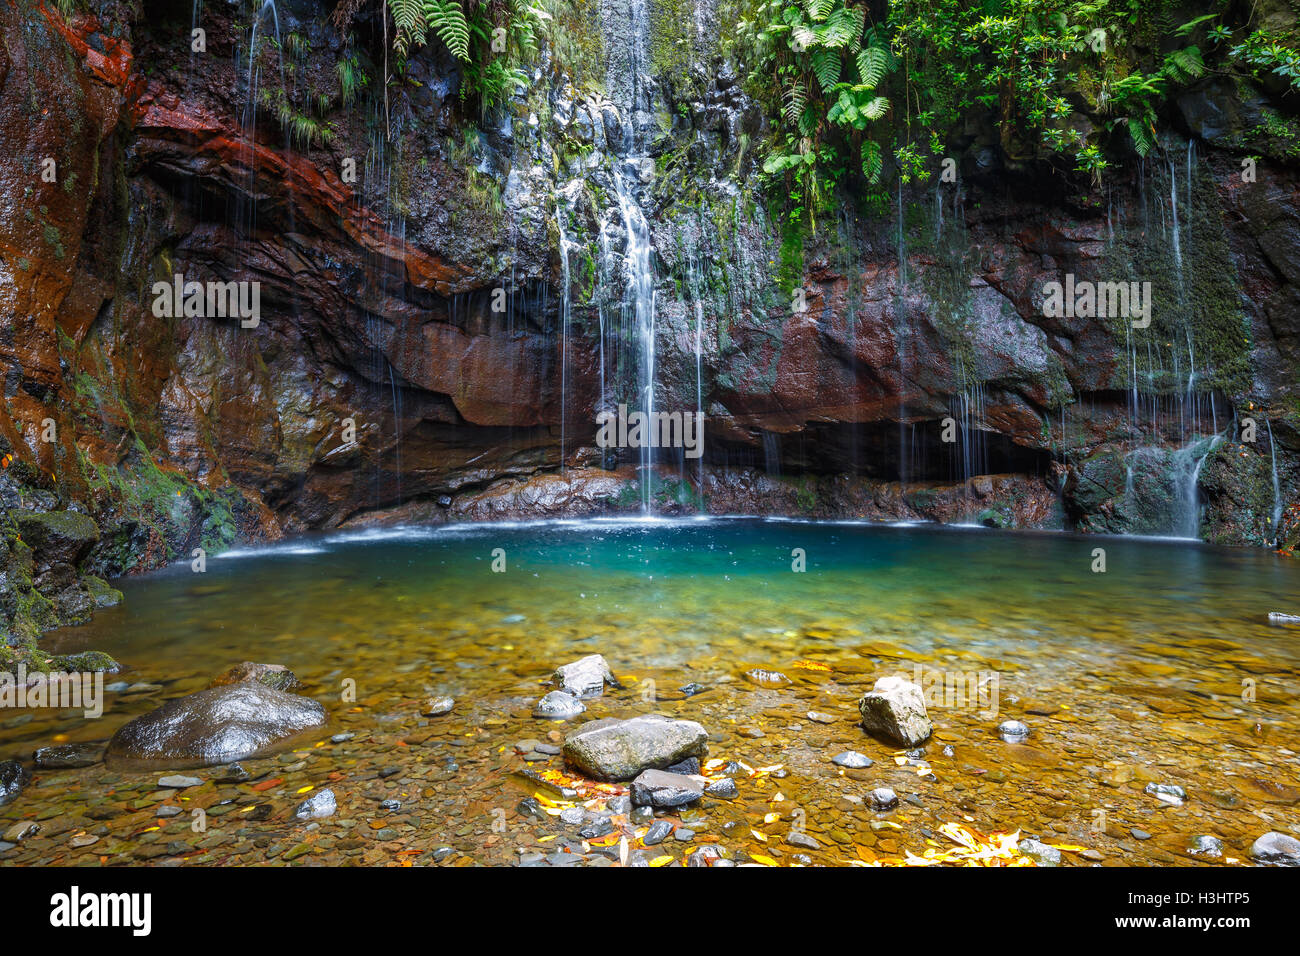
[438,331]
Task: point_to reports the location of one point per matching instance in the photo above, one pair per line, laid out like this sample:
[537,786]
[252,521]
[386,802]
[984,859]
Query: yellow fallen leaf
[765,860]
[771,817]
[661,861]
[761,837]
[310,786]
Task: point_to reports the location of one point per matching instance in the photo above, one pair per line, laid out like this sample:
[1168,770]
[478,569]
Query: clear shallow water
[1138,671]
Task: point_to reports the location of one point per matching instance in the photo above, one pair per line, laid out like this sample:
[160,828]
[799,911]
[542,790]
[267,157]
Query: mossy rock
[104,594]
[58,537]
[85,662]
[995,518]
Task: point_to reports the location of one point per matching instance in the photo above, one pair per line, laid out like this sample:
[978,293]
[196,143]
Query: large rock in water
[612,749]
[895,707]
[218,725]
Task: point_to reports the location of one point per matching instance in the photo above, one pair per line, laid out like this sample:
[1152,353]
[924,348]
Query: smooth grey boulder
[612,749]
[218,725]
[659,788]
[585,677]
[1013,731]
[318,806]
[557,705]
[13,777]
[895,707]
[1278,848]
[178,781]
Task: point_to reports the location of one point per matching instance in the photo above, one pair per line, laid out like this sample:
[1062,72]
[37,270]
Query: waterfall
[771,453]
[250,120]
[699,385]
[1188,462]
[1277,487]
[566,306]
[628,63]
[903,445]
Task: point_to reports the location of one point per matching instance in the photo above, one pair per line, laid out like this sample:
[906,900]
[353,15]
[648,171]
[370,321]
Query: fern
[1142,139]
[1185,64]
[873,61]
[447,20]
[873,161]
[818,10]
[877,108]
[408,17]
[826,67]
[795,97]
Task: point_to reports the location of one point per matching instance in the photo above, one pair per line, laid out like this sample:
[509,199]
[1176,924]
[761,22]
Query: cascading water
[1165,394]
[629,28]
[566,306]
[1277,486]
[904,446]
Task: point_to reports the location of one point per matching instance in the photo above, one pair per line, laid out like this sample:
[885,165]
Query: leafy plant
[828,64]
[490,50]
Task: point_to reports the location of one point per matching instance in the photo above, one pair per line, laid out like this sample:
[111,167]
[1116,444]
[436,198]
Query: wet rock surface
[557,705]
[895,708]
[586,677]
[1277,848]
[610,749]
[275,676]
[216,726]
[13,777]
[659,788]
[68,756]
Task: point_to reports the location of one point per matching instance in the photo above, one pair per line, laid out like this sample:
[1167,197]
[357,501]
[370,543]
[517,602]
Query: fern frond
[873,61]
[818,10]
[873,161]
[795,97]
[408,17]
[1142,139]
[877,108]
[447,20]
[1185,64]
[826,67]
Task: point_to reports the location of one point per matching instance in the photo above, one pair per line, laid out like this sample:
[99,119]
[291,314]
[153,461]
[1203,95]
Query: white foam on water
[270,550]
